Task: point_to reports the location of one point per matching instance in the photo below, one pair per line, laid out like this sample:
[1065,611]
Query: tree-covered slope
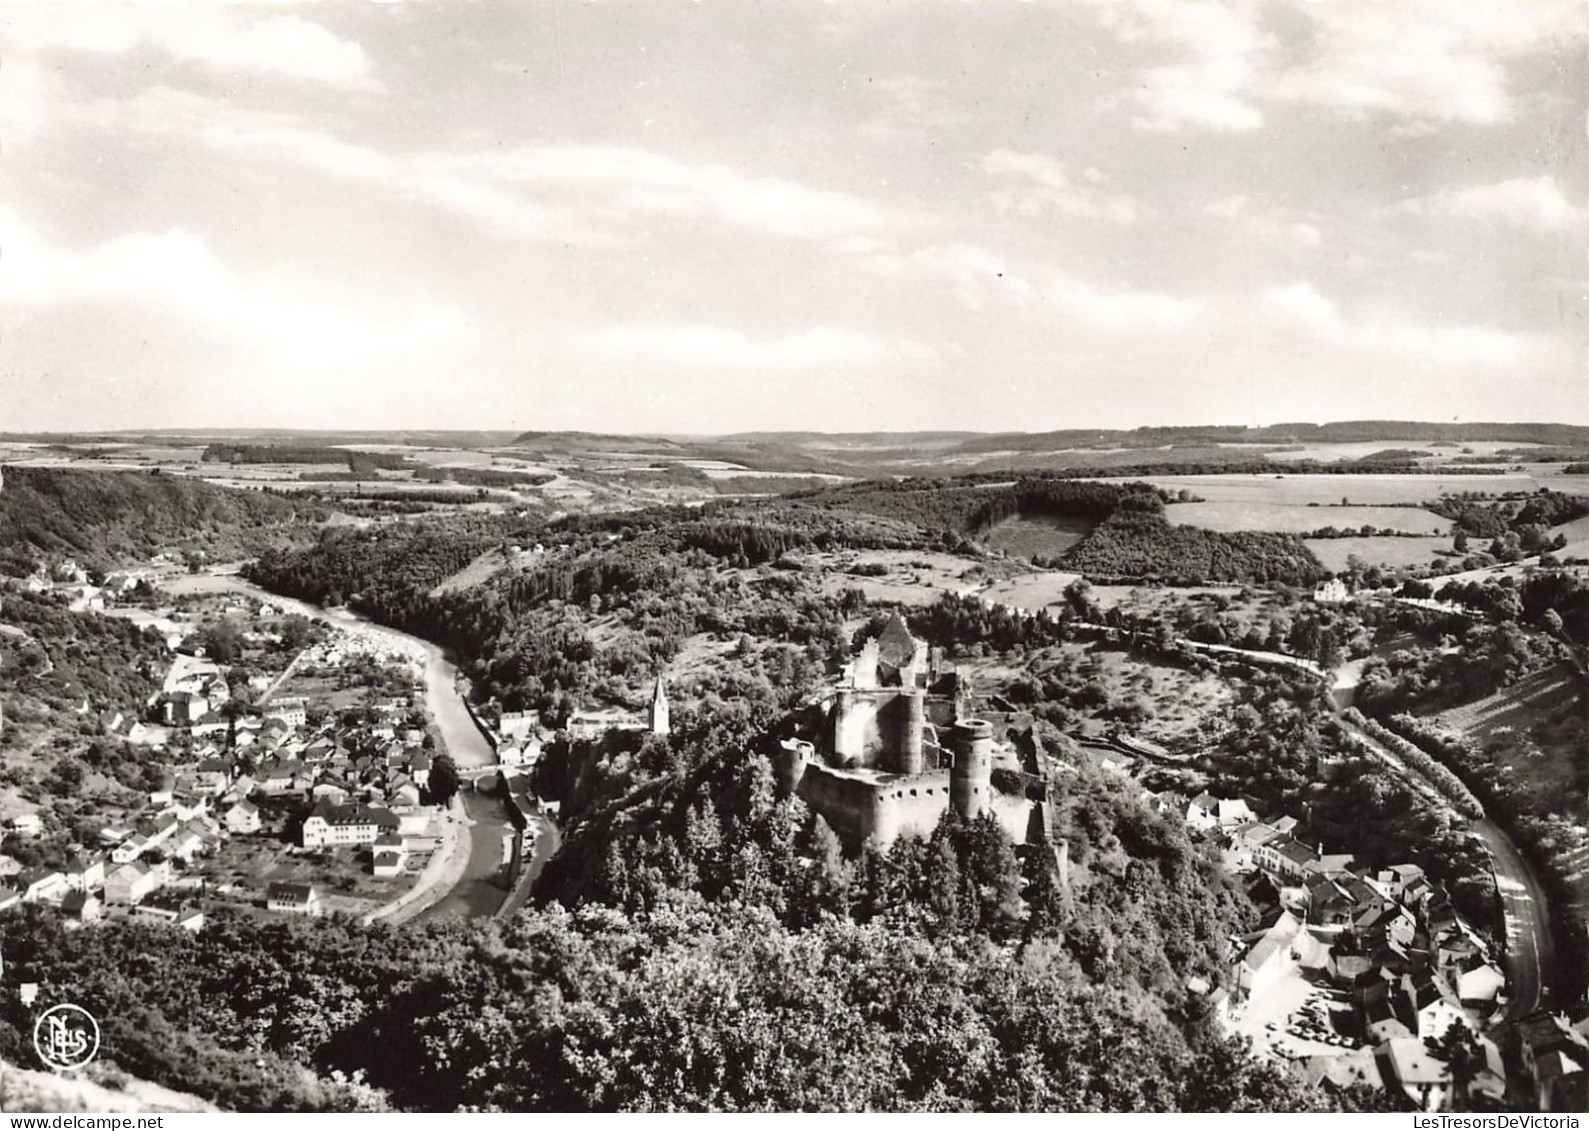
[102,518]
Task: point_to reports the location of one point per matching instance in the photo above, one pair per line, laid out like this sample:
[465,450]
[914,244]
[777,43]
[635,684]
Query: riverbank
[444,872]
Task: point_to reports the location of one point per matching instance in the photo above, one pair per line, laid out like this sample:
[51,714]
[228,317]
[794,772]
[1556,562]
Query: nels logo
[66,1037]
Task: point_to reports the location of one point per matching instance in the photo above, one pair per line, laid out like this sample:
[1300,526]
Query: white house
[243,818]
[294,899]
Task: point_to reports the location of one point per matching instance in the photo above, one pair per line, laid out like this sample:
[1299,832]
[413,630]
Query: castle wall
[911,807]
[860,807]
[1014,815]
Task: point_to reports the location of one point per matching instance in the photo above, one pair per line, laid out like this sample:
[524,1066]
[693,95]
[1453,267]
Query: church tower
[659,710]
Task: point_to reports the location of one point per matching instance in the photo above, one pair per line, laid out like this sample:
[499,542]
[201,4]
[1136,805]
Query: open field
[1334,453]
[1577,534]
[1032,591]
[1543,717]
[1358,490]
[912,578]
[1569,484]
[1036,537]
[1516,708]
[1289,518]
[1333,553]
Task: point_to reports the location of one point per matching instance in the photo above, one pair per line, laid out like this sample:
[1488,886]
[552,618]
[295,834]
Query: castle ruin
[901,744]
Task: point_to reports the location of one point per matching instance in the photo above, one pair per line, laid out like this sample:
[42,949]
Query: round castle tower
[971,777]
[910,757]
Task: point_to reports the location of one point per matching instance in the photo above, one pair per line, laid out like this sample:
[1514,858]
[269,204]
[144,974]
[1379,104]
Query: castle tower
[865,668]
[910,759]
[845,741]
[971,777]
[659,710]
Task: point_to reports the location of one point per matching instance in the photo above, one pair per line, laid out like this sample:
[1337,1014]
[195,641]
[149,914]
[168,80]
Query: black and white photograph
[794,556]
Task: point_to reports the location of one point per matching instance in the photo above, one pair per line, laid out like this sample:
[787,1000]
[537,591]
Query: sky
[708,217]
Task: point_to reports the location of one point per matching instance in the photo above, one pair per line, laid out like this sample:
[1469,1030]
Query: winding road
[1530,947]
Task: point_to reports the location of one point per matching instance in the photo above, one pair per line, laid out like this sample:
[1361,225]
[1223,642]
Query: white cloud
[1267,226]
[1300,306]
[175,271]
[719,347]
[638,182]
[225,37]
[1032,183]
[1223,50]
[585,194]
[974,274]
[1422,62]
[1428,61]
[1535,204]
[1118,311]
[913,109]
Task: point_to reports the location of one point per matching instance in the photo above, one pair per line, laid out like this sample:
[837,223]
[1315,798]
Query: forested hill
[103,518]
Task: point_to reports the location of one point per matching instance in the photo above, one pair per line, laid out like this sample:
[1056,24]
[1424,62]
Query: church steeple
[659,709]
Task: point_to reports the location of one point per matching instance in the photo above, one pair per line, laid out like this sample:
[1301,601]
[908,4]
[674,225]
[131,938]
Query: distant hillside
[864,454]
[198,437]
[1339,432]
[103,518]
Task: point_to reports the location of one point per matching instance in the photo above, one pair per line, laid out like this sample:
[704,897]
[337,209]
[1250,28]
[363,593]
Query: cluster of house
[193,694]
[1381,957]
[1555,1054]
[363,783]
[131,872]
[69,579]
[379,767]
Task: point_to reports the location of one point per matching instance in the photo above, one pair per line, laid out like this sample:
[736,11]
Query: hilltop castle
[900,744]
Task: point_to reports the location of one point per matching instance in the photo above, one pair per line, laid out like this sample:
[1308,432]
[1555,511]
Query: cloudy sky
[699,217]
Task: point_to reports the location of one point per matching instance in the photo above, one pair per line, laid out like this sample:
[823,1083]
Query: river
[480,891]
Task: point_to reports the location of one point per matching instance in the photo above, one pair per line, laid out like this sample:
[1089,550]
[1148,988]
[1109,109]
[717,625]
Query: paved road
[1530,950]
[546,843]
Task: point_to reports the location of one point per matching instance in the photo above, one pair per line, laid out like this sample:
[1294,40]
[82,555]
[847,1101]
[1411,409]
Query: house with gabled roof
[41,885]
[1264,956]
[132,882]
[243,819]
[331,825]
[294,899]
[81,906]
[84,872]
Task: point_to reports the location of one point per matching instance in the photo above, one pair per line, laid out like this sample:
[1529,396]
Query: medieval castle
[900,745]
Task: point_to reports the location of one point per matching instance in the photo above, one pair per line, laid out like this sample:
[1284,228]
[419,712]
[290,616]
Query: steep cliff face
[97,1089]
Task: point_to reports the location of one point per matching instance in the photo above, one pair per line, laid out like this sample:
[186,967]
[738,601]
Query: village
[1353,971]
[297,769]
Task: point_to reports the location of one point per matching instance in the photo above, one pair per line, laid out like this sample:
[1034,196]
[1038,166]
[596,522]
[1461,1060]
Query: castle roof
[896,647]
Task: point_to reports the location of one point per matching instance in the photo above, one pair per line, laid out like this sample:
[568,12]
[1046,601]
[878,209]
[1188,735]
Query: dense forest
[283,453]
[1137,542]
[1524,518]
[102,518]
